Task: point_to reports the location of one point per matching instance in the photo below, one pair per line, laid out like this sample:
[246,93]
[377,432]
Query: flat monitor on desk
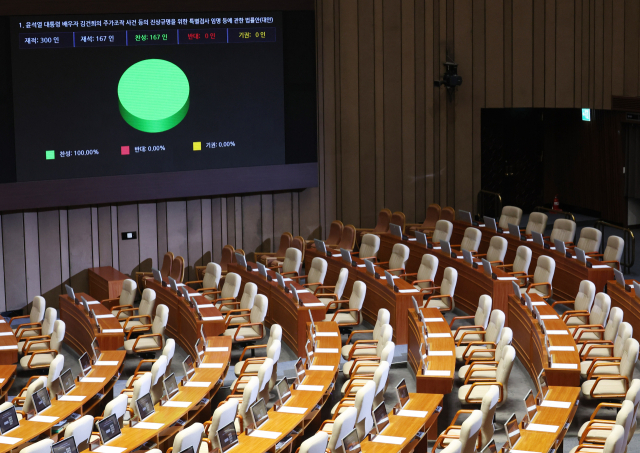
[421,238]
[389,278]
[380,417]
[467,256]
[157,276]
[300,373]
[71,294]
[41,400]
[170,386]
[527,300]
[417,308]
[619,278]
[187,297]
[241,260]
[350,443]
[259,413]
[490,223]
[465,216]
[346,255]
[8,420]
[262,270]
[85,304]
[559,245]
[490,447]
[446,247]
[395,230]
[109,428]
[530,407]
[313,324]
[543,386]
[370,267]
[402,393]
[537,238]
[514,230]
[636,288]
[280,279]
[67,381]
[227,437]
[320,246]
[173,284]
[85,364]
[96,350]
[283,390]
[145,406]
[66,445]
[187,366]
[486,266]
[294,292]
[580,255]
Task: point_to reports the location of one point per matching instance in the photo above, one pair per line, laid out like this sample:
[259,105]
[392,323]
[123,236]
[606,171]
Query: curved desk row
[7,377]
[8,344]
[191,404]
[94,394]
[441,361]
[628,301]
[283,309]
[569,272]
[287,424]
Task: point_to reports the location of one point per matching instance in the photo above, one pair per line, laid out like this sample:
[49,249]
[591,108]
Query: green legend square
[51,155]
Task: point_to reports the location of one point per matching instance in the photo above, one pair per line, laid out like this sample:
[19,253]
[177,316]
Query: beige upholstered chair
[366,347]
[252,365]
[467,432]
[369,247]
[227,256]
[466,334]
[335,233]
[43,332]
[608,331]
[222,416]
[542,278]
[385,337]
[252,330]
[363,402]
[316,274]
[117,406]
[326,297]
[520,266]
[210,280]
[349,317]
[563,230]
[153,339]
[291,264]
[474,393]
[398,259]
[265,371]
[590,239]
[285,243]
[497,250]
[138,388]
[275,334]
[339,427]
[606,350]
[537,223]
[444,301]
[471,240]
[597,430]
[243,307]
[426,273]
[443,231]
[489,338]
[379,378]
[35,317]
[42,446]
[126,299]
[615,443]
[246,399]
[479,358]
[132,317]
[612,252]
[613,387]
[597,320]
[229,291]
[429,224]
[582,305]
[188,437]
[510,215]
[80,430]
[315,444]
[42,358]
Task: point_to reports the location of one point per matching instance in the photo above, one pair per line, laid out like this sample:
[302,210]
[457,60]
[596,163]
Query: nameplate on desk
[310,388]
[327,350]
[412,239]
[212,318]
[5,348]
[92,302]
[216,349]
[5,334]
[194,294]
[44,419]
[1,380]
[552,248]
[380,439]
[600,266]
[529,239]
[548,316]
[362,265]
[72,398]
[9,440]
[180,284]
[148,425]
[565,366]
[211,365]
[538,303]
[542,428]
[303,291]
[437,248]
[561,348]
[557,404]
[326,334]
[287,279]
[112,331]
[557,332]
[2,321]
[439,353]
[197,384]
[292,410]
[265,434]
[433,319]
[415,414]
[439,335]
[314,304]
[92,379]
[437,373]
[108,449]
[105,316]
[106,363]
[405,291]
[460,257]
[507,278]
[205,306]
[177,404]
[321,368]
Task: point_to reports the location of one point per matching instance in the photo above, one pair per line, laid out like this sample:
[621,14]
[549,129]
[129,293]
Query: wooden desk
[283,309]
[184,324]
[7,377]
[96,395]
[81,328]
[8,344]
[133,438]
[285,423]
[536,441]
[569,272]
[528,341]
[629,303]
[435,364]
[105,282]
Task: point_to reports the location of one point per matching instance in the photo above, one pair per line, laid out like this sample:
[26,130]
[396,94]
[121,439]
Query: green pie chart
[153,95]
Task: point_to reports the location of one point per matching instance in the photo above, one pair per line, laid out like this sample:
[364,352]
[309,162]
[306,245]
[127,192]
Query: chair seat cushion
[599,434]
[238,321]
[131,324]
[326,301]
[34,347]
[38,360]
[577,321]
[27,333]
[604,388]
[341,318]
[143,343]
[451,432]
[438,303]
[245,333]
[586,335]
[598,352]
[584,368]
[477,393]
[469,337]
[251,368]
[460,351]
[363,369]
[346,350]
[478,373]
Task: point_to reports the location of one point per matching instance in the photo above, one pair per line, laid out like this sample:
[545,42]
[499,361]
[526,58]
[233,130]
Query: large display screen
[131,94]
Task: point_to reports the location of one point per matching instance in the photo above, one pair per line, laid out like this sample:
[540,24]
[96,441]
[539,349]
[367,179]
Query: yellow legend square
[197,146]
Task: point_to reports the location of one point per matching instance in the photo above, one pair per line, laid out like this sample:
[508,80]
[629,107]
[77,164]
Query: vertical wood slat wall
[386,136]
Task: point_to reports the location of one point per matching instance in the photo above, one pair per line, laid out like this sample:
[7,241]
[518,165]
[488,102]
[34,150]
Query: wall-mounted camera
[450,79]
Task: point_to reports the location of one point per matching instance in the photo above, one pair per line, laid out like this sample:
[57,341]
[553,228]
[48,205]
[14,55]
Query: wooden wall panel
[177,228]
[50,251]
[14,257]
[31,254]
[129,249]
[194,239]
[80,259]
[147,236]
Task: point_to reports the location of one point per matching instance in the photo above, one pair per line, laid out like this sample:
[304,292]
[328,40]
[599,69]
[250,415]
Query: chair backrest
[167,261]
[57,336]
[189,437]
[427,270]
[369,246]
[510,215]
[264,376]
[385,337]
[227,256]
[449,280]
[488,409]
[348,238]
[141,387]
[177,269]
[380,377]
[168,351]
[505,340]
[432,216]
[80,430]
[545,268]
[358,294]
[55,368]
[384,219]
[537,223]
[633,395]
[615,441]
[158,370]
[399,257]
[497,249]
[147,302]
[600,310]
[625,417]
[275,333]
[335,232]
[343,276]
[249,396]
[50,316]
[42,446]
[315,444]
[448,214]
[504,369]
[222,416]
[443,231]
[625,331]
[383,320]
[273,350]
[388,352]
[483,311]
[455,446]
[36,385]
[38,307]
[299,243]
[613,250]
[469,432]
[590,239]
[586,295]
[317,272]
[248,295]
[160,321]
[563,230]
[471,239]
[128,294]
[117,406]
[364,405]
[343,425]
[285,243]
[629,358]
[259,311]
[212,276]
[615,319]
[231,286]
[292,260]
[496,324]
[398,218]
[522,260]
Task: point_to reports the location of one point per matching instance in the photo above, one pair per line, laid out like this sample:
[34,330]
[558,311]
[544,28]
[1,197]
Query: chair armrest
[142,328]
[298,277]
[247,348]
[455,318]
[355,347]
[46,351]
[27,346]
[353,332]
[347,310]
[227,320]
[470,370]
[124,327]
[563,302]
[602,406]
[467,398]
[595,344]
[600,362]
[470,359]
[470,331]
[335,302]
[18,317]
[149,335]
[235,336]
[477,343]
[610,378]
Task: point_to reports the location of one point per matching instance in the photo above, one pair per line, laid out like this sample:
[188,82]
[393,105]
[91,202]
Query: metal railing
[629,253]
[566,214]
[487,199]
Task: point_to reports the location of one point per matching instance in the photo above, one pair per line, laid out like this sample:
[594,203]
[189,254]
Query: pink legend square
[124,150]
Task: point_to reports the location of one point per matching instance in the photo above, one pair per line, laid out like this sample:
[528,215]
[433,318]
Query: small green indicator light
[51,154]
[586,114]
